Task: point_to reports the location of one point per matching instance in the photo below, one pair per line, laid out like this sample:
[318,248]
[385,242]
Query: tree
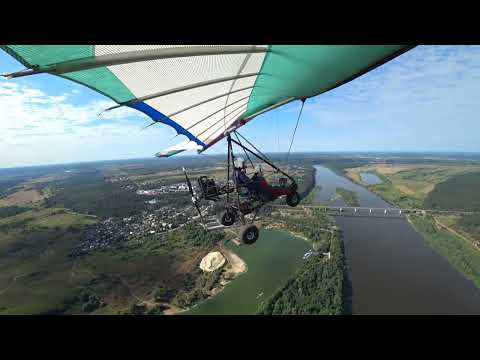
[162,294]
[138,309]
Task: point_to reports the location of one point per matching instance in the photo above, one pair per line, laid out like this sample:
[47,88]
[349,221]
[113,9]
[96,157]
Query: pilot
[256,185]
[241,177]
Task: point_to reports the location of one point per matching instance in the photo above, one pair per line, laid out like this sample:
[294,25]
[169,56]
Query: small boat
[307,254]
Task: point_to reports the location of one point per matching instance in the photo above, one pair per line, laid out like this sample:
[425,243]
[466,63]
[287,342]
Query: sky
[423,100]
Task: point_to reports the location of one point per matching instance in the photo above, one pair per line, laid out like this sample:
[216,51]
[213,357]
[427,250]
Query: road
[456,233]
[12,283]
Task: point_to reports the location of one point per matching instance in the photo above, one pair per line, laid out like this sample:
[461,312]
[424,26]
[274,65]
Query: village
[150,222]
[113,232]
[164,189]
[153,221]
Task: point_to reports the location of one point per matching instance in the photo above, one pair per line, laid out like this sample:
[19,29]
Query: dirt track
[454,232]
[238,266]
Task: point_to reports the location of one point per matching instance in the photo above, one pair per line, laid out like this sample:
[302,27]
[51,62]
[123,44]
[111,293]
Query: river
[391,268]
[270,261]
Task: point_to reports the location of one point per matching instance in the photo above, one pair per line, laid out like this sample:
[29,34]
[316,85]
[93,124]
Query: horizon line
[269,152]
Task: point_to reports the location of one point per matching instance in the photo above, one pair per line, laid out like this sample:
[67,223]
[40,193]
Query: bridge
[385,211]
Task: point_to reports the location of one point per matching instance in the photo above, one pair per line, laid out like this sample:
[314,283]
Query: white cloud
[427,98]
[37,128]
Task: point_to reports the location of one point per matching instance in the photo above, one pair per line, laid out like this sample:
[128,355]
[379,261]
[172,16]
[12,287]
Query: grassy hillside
[38,275]
[35,269]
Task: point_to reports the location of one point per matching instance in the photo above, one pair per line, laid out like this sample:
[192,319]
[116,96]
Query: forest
[459,193]
[90,194]
[317,227]
[317,288]
[320,286]
[7,211]
[470,223]
[184,246]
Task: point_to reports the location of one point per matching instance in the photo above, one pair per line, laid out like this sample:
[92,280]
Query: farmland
[412,185]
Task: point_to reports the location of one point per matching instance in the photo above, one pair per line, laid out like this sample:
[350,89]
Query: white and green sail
[202,91]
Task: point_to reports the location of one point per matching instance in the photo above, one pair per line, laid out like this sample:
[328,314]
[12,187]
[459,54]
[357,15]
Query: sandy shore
[235,267]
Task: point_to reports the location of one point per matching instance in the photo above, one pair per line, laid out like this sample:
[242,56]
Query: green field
[389,192]
[40,218]
[350,197]
[420,185]
[38,275]
[35,269]
[463,256]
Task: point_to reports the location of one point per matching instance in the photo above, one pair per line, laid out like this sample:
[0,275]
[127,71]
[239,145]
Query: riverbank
[320,286]
[311,196]
[391,269]
[271,261]
[278,226]
[460,253]
[350,197]
[235,267]
[384,190]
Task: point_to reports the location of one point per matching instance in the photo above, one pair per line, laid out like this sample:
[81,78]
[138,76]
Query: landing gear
[227,218]
[293,199]
[249,234]
[240,203]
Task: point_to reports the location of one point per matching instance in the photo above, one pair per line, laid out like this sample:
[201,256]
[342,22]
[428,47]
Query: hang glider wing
[184,146]
[201,91]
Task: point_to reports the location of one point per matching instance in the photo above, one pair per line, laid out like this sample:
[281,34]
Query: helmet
[239,163]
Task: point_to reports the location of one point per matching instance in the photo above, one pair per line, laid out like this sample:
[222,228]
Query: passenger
[261,185]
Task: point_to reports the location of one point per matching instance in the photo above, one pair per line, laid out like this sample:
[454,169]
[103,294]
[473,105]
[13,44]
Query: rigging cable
[244,138]
[278,136]
[248,157]
[258,151]
[295,131]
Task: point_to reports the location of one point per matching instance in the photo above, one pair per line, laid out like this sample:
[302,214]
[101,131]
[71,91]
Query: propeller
[194,198]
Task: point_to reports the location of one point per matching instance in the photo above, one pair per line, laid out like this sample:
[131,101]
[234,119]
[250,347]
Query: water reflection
[370,179]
